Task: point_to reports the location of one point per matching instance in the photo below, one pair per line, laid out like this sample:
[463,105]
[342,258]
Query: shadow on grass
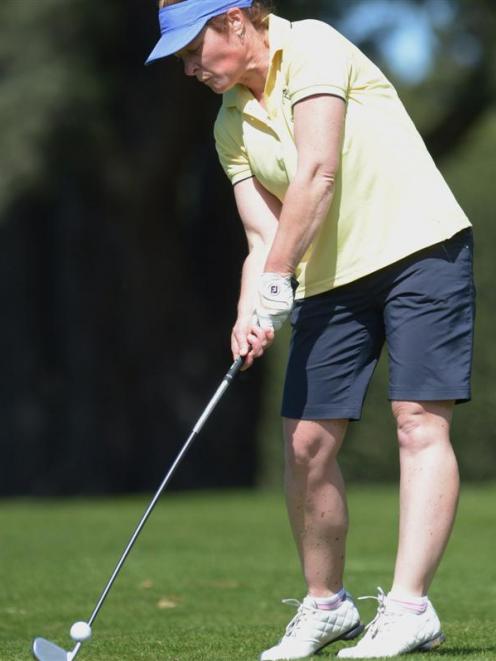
[465,651]
[455,652]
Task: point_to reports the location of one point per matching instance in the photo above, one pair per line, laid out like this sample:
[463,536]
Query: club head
[44,650]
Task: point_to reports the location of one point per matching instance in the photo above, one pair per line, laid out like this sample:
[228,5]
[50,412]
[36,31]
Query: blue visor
[181,22]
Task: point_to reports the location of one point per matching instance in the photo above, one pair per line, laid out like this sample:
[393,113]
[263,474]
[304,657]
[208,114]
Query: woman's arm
[259,212]
[278,235]
[319,126]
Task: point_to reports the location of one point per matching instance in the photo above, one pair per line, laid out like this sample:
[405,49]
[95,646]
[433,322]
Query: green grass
[205,579]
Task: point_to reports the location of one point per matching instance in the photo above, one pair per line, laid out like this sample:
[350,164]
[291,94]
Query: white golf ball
[80,631]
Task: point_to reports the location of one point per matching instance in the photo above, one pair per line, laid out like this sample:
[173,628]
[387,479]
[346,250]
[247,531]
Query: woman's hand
[249,340]
[275,299]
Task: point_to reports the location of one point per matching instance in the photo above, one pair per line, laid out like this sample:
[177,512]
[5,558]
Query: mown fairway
[205,579]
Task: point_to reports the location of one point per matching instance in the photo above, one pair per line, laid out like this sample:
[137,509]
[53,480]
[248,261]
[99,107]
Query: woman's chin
[219,86]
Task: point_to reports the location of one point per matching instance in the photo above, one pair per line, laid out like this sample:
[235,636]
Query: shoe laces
[382,617]
[300,617]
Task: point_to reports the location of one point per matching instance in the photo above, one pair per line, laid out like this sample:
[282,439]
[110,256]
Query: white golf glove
[275,300]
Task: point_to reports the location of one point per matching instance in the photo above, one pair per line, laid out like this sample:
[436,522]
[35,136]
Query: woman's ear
[236,22]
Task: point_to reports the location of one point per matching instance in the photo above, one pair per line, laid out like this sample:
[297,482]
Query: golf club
[44,650]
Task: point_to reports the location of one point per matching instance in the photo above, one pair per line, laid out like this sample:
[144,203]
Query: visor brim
[174,41]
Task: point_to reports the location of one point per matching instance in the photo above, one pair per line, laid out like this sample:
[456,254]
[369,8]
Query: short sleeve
[230,147]
[318,61]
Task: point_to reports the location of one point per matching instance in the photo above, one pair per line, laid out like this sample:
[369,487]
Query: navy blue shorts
[422,307]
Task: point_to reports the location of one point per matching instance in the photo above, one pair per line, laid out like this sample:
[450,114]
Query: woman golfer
[352,232]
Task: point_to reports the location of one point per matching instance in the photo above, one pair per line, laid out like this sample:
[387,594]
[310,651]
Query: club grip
[234,369]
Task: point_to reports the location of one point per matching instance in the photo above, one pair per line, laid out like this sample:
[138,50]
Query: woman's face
[215,58]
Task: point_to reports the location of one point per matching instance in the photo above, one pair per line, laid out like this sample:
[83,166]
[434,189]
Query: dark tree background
[120,247]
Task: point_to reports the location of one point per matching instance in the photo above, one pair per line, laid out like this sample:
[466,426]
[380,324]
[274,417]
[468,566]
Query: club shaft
[139,527]
[72,654]
[234,369]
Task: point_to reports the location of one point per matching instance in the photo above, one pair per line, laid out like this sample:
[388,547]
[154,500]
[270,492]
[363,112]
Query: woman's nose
[190,68]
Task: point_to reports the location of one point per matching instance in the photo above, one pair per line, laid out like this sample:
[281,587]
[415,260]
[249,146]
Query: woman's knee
[312,442]
[422,424]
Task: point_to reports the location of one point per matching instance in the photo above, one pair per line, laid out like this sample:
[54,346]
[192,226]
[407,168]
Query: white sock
[330,603]
[415,604]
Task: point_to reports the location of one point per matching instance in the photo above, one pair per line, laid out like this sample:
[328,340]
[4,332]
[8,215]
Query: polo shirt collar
[279,29]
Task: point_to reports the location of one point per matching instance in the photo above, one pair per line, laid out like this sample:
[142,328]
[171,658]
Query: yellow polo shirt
[390,200]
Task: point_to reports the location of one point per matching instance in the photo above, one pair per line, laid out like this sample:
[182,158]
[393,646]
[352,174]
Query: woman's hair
[257,13]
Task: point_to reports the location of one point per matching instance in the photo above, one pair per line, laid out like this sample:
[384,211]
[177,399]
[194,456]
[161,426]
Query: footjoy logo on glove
[274,289]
